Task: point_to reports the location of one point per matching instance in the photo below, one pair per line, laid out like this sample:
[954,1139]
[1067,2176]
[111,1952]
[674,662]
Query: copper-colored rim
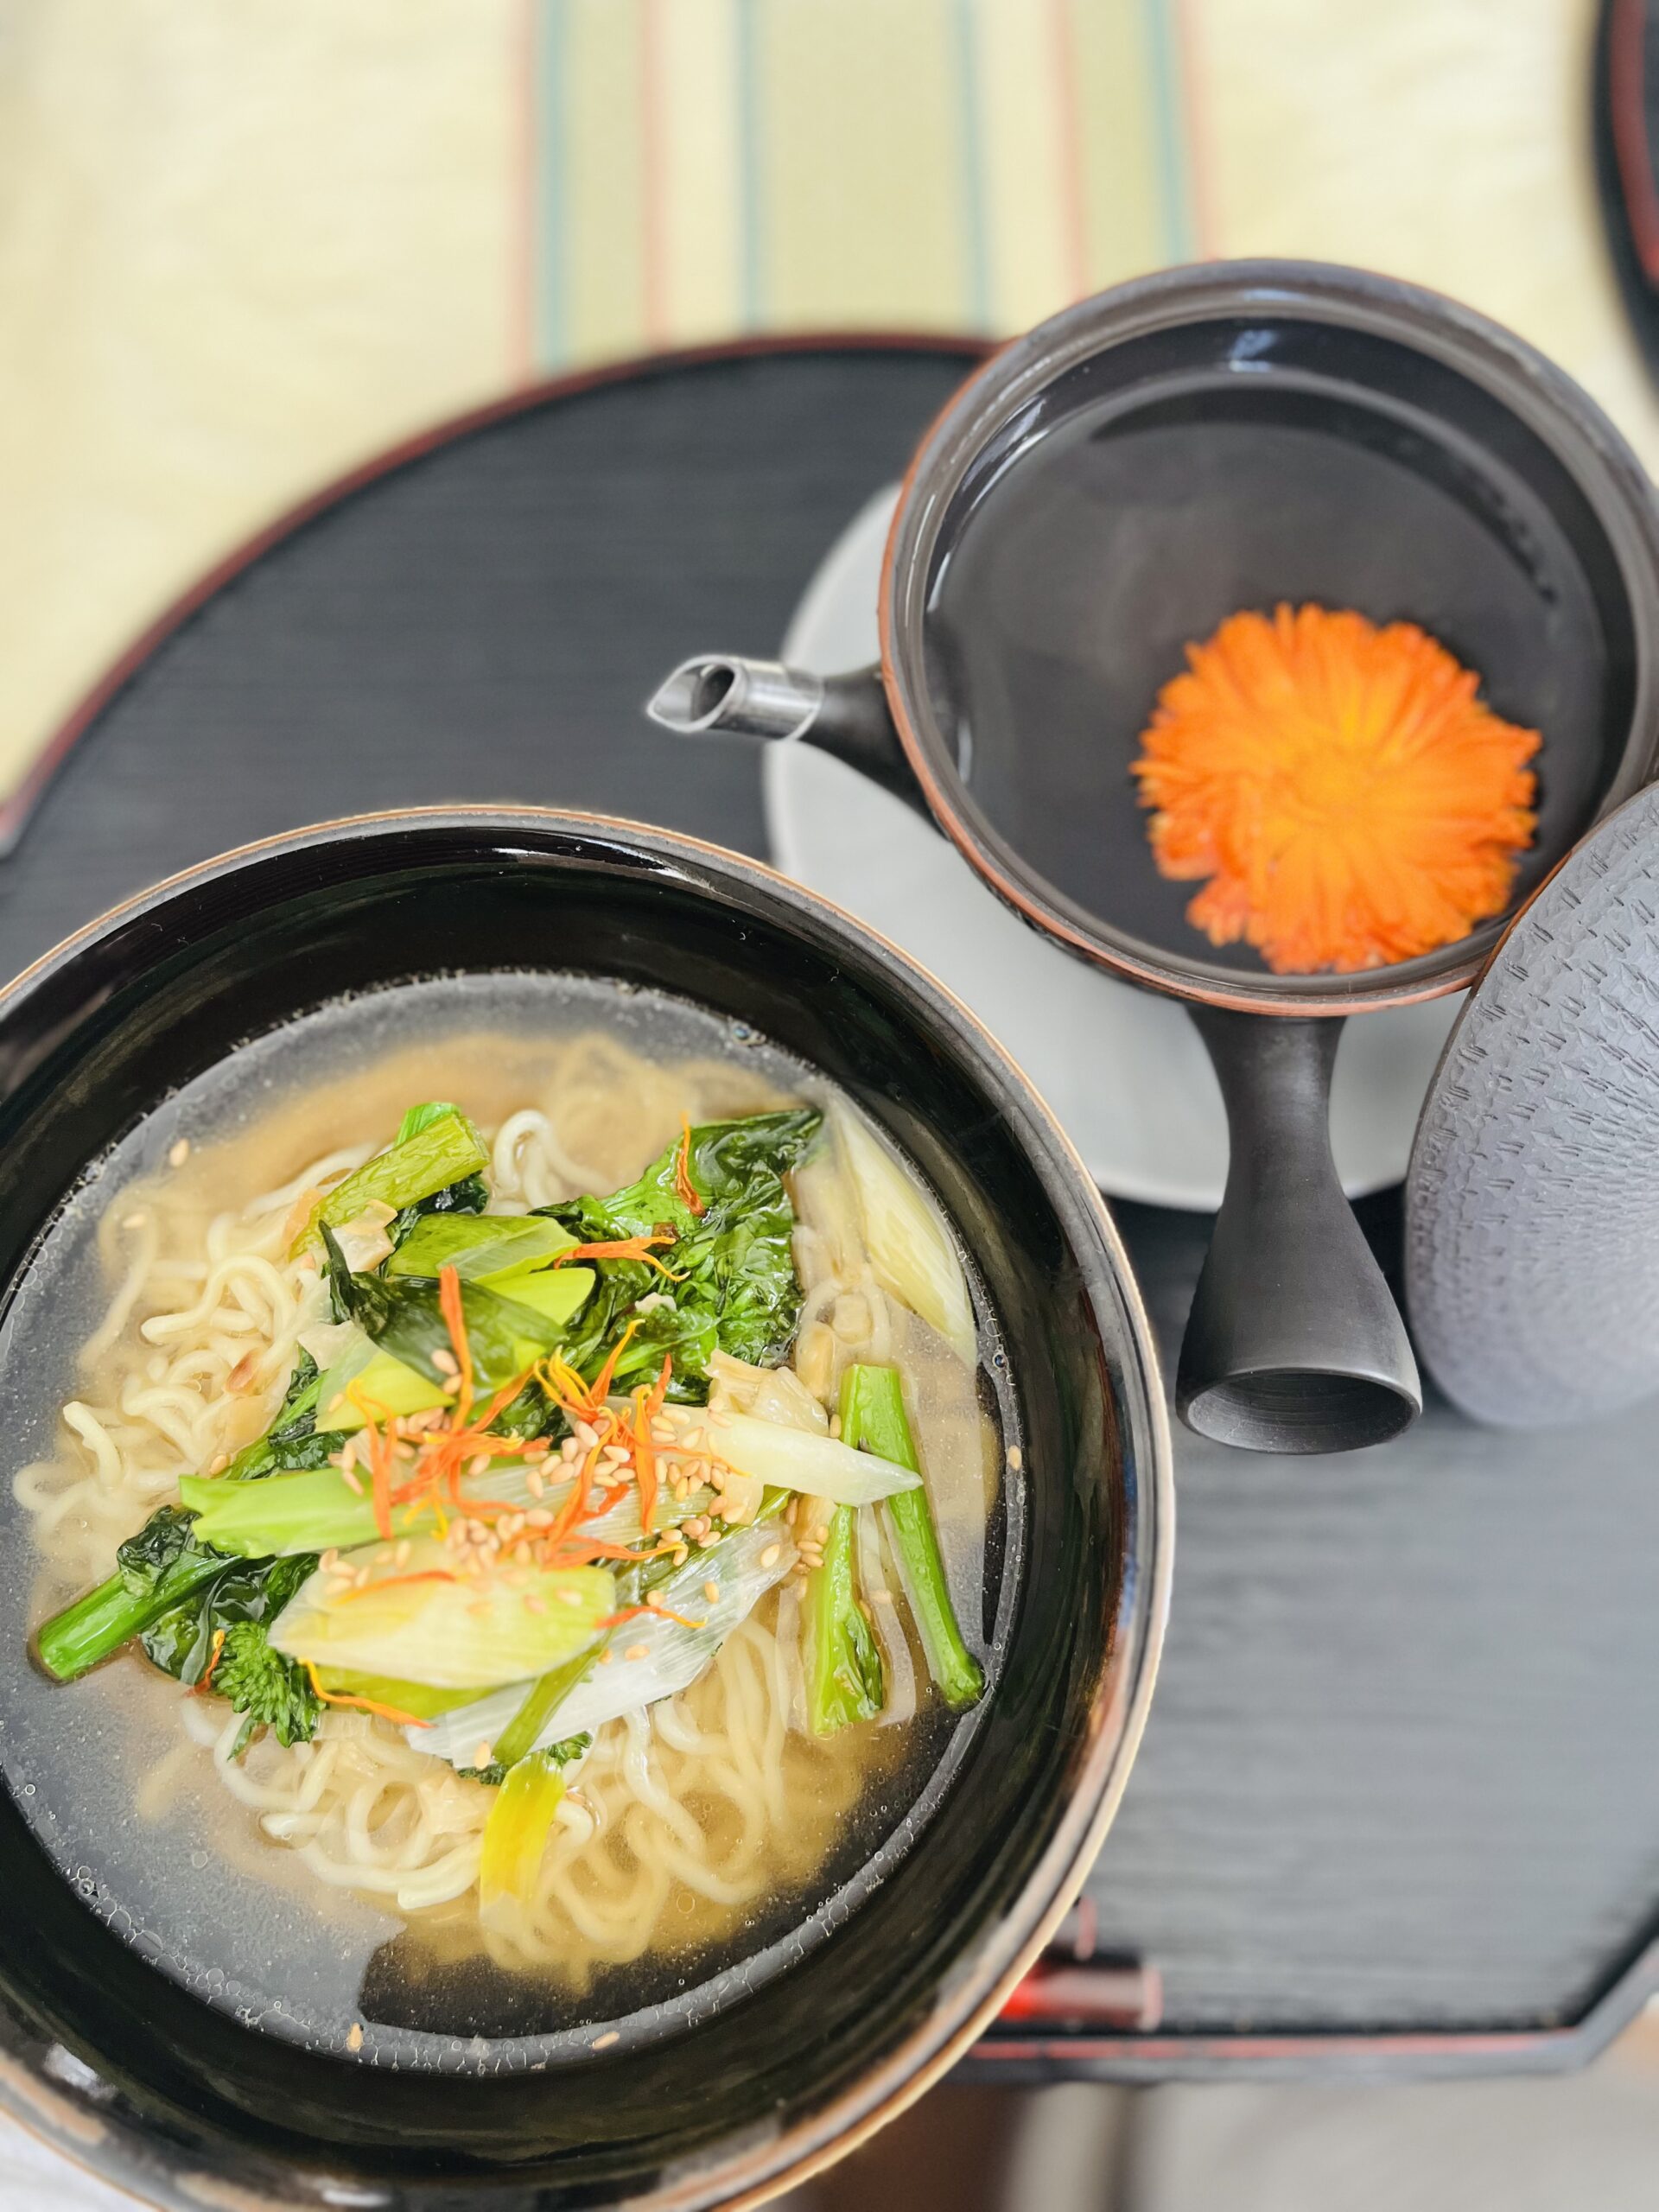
[1627,33]
[816,2142]
[948,802]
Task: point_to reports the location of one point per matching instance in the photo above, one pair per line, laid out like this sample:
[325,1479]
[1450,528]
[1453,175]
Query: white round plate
[1123,1069]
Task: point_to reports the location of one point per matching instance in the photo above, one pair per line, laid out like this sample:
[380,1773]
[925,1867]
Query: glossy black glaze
[1114,485]
[88,1041]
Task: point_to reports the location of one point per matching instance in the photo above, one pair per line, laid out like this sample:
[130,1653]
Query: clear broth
[131,1811]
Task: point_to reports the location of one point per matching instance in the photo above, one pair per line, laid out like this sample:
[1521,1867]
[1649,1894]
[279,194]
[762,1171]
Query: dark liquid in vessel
[1119,525]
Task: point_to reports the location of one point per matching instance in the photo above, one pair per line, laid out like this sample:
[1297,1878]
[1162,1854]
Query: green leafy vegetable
[442,1152]
[478,1246]
[155,1570]
[229,1616]
[288,1441]
[405,1316]
[735,1288]
[873,1418]
[470,1195]
[188,1601]
[270,1691]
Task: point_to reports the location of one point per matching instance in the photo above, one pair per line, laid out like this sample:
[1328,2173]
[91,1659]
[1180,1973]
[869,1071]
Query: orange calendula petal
[1341,788]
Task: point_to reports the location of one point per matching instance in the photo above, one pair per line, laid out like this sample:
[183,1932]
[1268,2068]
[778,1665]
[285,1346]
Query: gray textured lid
[1532,1200]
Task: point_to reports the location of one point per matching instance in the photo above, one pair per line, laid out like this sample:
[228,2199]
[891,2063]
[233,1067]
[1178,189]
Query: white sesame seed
[711,1591]
[771,1554]
[178,1152]
[638,1651]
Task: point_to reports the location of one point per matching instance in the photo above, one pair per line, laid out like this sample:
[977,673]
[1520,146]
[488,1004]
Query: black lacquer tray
[1398,1807]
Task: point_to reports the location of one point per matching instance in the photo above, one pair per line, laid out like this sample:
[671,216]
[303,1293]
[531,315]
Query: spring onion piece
[420,1619]
[519,1736]
[440,1152]
[786,1457]
[479,1246]
[516,1836]
[909,1247]
[668,1654]
[873,1414]
[842,1664]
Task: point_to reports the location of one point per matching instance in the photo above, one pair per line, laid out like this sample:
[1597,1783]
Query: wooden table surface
[1400,1776]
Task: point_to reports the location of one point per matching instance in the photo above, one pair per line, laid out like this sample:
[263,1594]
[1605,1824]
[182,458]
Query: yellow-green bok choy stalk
[418,1618]
[322,1509]
[653,1655]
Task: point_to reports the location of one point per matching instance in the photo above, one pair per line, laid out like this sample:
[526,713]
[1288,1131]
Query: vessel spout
[736,698]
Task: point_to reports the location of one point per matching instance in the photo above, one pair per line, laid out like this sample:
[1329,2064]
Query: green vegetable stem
[155,1569]
[873,1418]
[843,1665]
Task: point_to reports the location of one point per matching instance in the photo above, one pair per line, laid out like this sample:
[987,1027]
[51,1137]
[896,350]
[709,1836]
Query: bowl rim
[1553,406]
[968,2002]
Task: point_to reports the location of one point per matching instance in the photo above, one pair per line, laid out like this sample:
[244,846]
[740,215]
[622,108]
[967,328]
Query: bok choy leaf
[719,1192]
[438,1153]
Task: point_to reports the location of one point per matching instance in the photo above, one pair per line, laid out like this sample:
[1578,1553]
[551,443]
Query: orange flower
[1350,800]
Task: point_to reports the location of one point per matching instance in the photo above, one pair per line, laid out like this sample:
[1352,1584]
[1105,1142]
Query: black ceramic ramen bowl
[127,2071]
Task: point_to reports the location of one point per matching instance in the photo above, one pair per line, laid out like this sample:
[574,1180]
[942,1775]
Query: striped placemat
[242,249]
